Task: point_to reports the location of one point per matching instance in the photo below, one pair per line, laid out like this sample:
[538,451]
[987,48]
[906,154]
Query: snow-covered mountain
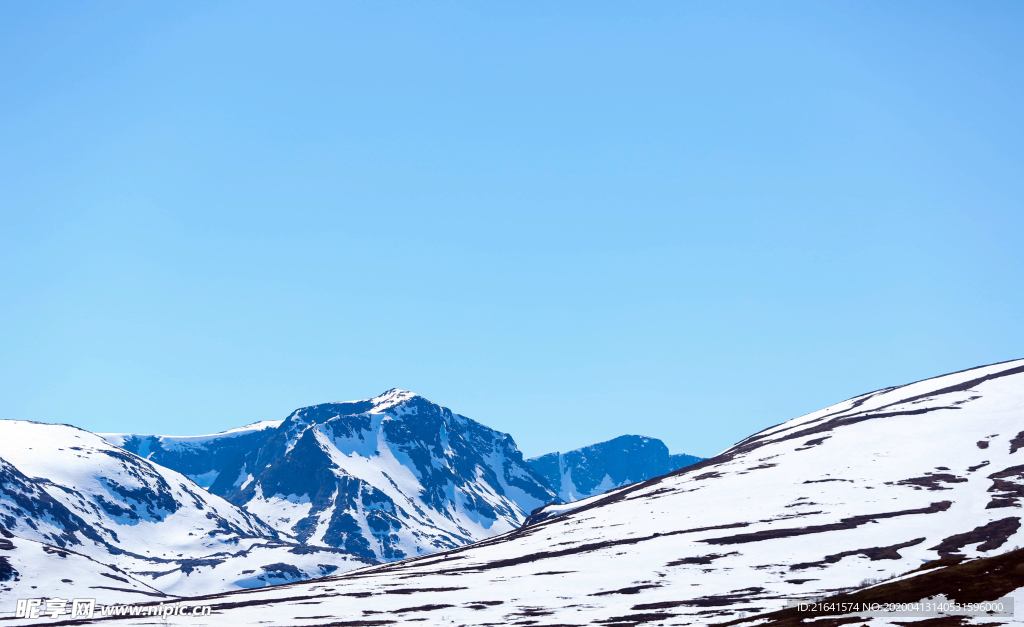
[597,468]
[865,489]
[340,486]
[385,478]
[392,476]
[69,493]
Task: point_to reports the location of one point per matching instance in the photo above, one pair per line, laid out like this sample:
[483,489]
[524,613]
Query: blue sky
[566,220]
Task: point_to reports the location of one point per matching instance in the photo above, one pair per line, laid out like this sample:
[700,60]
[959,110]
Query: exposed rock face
[600,467]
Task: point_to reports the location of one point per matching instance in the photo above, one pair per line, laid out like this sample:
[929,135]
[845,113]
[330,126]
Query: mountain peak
[383,403]
[393,398]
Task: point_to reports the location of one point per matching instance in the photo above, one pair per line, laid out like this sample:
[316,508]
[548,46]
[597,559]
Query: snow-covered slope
[201,458]
[75,575]
[597,468]
[981,581]
[864,489]
[385,478]
[73,491]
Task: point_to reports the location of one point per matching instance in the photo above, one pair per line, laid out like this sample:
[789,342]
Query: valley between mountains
[911,490]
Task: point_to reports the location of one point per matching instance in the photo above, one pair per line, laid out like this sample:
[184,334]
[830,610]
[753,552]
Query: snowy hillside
[70,493]
[597,468]
[72,574]
[865,489]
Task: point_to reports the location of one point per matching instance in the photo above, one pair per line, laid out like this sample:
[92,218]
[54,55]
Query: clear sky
[566,220]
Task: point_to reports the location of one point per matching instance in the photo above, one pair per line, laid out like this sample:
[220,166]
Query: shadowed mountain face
[201,458]
[600,467]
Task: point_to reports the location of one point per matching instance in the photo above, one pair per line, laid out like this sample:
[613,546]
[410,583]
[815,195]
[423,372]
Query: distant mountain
[382,478]
[69,493]
[332,487]
[597,468]
[198,457]
[393,476]
[899,483]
